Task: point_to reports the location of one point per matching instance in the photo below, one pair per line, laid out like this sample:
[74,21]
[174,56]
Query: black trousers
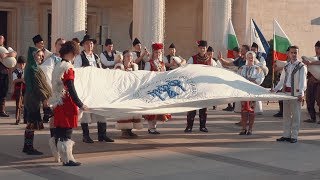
[4,87]
[202,117]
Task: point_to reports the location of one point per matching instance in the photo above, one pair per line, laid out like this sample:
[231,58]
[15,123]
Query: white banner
[119,94]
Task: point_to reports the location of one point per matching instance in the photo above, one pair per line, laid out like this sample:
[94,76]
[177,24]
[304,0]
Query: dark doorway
[3,24]
[49,30]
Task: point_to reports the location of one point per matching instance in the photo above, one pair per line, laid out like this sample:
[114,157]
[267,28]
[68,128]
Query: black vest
[109,58]
[141,63]
[168,58]
[85,61]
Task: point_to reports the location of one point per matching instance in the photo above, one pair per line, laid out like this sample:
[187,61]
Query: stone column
[68,19]
[148,21]
[216,14]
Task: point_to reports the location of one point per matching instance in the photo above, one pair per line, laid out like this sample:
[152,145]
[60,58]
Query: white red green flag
[281,43]
[231,40]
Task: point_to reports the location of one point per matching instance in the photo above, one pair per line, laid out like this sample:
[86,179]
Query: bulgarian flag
[231,40]
[281,43]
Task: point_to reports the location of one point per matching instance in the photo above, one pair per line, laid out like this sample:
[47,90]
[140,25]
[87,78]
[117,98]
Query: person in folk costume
[39,44]
[293,81]
[19,86]
[50,62]
[55,57]
[278,71]
[88,58]
[176,62]
[238,61]
[65,102]
[108,56]
[255,74]
[200,58]
[4,77]
[313,87]
[127,125]
[262,63]
[172,53]
[155,64]
[139,57]
[215,61]
[37,92]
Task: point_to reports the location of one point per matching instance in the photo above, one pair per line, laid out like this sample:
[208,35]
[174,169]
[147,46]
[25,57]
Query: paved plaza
[220,154]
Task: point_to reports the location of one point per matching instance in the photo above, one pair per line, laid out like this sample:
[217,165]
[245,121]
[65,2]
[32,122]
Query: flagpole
[272,79]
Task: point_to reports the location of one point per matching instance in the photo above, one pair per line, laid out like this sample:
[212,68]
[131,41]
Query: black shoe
[243,132]
[87,139]
[292,140]
[131,134]
[204,129]
[188,130]
[4,114]
[310,121]
[153,131]
[238,123]
[279,114]
[282,139]
[17,122]
[249,132]
[228,109]
[106,139]
[72,163]
[32,152]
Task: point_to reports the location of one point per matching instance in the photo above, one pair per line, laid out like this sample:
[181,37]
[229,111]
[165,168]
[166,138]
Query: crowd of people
[60,102]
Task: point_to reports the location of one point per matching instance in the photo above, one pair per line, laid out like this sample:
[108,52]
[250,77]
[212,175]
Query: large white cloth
[183,89]
[313,69]
[118,94]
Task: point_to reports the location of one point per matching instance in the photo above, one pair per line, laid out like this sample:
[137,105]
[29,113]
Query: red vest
[153,67]
[195,61]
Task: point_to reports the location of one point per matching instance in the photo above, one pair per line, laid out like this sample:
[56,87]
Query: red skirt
[66,115]
[160,117]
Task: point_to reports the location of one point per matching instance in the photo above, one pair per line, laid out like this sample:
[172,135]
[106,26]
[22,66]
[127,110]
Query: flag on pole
[257,37]
[281,43]
[231,40]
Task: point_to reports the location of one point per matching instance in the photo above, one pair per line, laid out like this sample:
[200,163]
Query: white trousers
[291,118]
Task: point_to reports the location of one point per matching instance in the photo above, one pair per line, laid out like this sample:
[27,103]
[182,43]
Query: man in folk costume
[200,58]
[88,58]
[4,75]
[39,43]
[127,125]
[108,56]
[37,92]
[19,86]
[176,62]
[139,57]
[155,64]
[292,81]
[313,86]
[255,74]
[215,61]
[66,103]
[172,53]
